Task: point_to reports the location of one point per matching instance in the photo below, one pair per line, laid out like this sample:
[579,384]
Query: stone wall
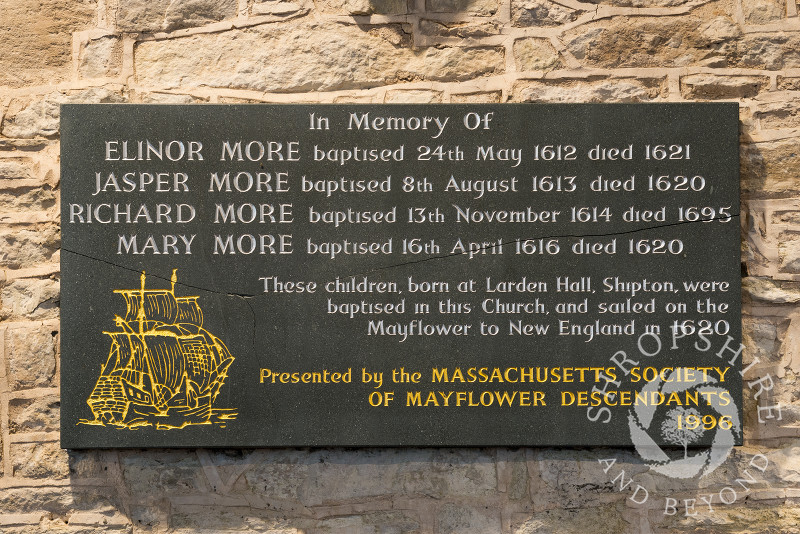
[186,51]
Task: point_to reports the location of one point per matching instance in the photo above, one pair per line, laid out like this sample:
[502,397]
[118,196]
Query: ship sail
[162,364]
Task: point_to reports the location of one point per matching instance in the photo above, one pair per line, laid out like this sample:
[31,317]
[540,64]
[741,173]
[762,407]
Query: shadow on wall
[334,490]
[401,7]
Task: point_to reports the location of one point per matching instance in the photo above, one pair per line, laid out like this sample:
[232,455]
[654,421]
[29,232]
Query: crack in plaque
[246,297]
[728,218]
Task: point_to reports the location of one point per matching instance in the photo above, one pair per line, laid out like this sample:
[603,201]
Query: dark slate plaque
[345,275]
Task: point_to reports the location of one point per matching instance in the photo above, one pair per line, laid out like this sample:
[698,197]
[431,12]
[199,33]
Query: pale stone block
[543,13]
[769,169]
[577,91]
[28,118]
[477,7]
[759,12]
[30,299]
[39,460]
[31,352]
[535,54]
[101,57]
[362,7]
[36,44]
[713,87]
[489,97]
[34,415]
[409,96]
[324,57]
[164,15]
[23,247]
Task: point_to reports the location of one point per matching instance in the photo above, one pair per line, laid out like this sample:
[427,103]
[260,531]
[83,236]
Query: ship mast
[141,307]
[173,280]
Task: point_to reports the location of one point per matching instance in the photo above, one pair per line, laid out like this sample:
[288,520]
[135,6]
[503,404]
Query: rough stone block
[36,44]
[372,523]
[16,169]
[576,91]
[364,7]
[543,13]
[769,169]
[277,7]
[476,7]
[779,114]
[165,15]
[462,30]
[27,118]
[409,96]
[771,51]
[165,472]
[585,519]
[535,54]
[101,58]
[325,57]
[459,519]
[39,460]
[30,357]
[33,415]
[26,199]
[714,87]
[758,12]
[654,42]
[23,247]
[330,477]
[489,97]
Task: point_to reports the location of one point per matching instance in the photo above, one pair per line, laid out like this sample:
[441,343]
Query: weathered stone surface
[31,357]
[169,98]
[278,7]
[760,337]
[31,118]
[364,7]
[763,11]
[654,42]
[23,247]
[33,415]
[462,30]
[566,91]
[326,56]
[455,519]
[372,523]
[163,15]
[413,97]
[477,7]
[36,44]
[769,169]
[16,169]
[568,521]
[173,472]
[39,460]
[544,13]
[771,52]
[31,299]
[214,519]
[639,3]
[482,96]
[328,477]
[784,113]
[535,54]
[22,199]
[763,290]
[101,57]
[712,87]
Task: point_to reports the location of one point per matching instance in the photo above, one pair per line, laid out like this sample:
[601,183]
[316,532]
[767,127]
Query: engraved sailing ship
[163,369]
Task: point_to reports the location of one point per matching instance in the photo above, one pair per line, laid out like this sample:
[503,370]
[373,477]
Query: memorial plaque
[421,275]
